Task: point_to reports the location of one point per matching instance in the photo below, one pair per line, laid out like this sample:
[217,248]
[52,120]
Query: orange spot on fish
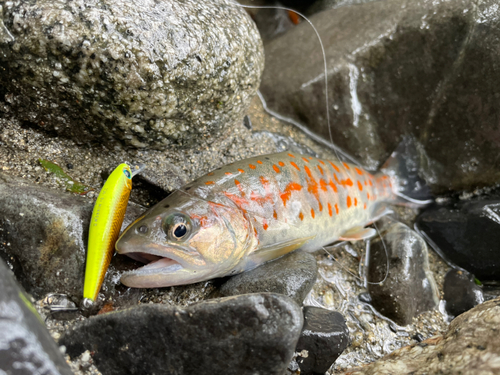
[228,174]
[294,17]
[307,161]
[337,180]
[349,203]
[241,170]
[291,155]
[259,162]
[301,216]
[332,185]
[312,185]
[366,183]
[292,186]
[330,210]
[365,206]
[346,166]
[295,165]
[368,195]
[348,182]
[312,213]
[336,208]
[323,185]
[358,171]
[275,215]
[209,183]
[355,201]
[264,225]
[252,166]
[210,174]
[360,187]
[320,207]
[320,169]
[276,169]
[322,162]
[370,182]
[281,164]
[334,166]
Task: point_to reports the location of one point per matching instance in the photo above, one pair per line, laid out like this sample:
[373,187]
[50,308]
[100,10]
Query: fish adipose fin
[267,253]
[403,167]
[358,233]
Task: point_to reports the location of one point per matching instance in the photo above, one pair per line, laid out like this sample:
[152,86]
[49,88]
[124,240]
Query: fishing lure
[107,218]
[249,212]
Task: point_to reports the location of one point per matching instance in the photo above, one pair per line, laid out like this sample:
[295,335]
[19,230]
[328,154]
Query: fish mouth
[165,266]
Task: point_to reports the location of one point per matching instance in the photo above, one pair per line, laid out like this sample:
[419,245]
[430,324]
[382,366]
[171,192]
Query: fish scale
[249,212]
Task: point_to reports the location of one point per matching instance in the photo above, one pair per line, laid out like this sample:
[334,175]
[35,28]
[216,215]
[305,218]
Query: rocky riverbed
[172,84]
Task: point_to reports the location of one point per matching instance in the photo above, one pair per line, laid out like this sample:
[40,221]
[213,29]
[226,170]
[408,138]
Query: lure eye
[127,174]
[177,227]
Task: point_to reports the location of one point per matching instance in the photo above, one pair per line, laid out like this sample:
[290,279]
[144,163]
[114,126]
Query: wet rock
[292,275]
[43,236]
[25,344]
[250,334]
[322,5]
[398,68]
[324,337]
[461,293]
[147,74]
[471,345]
[409,288]
[465,234]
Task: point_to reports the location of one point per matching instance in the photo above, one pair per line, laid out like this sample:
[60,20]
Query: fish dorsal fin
[358,233]
[270,252]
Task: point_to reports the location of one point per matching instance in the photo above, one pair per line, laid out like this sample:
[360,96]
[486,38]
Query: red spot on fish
[295,165]
[281,164]
[334,166]
[276,169]
[275,215]
[259,162]
[291,155]
[336,208]
[241,170]
[228,174]
[301,216]
[346,166]
[307,161]
[349,203]
[209,183]
[239,201]
[312,213]
[330,210]
[252,166]
[358,171]
[292,186]
[320,169]
[360,187]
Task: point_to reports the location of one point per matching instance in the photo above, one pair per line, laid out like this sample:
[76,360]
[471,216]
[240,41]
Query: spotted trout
[249,212]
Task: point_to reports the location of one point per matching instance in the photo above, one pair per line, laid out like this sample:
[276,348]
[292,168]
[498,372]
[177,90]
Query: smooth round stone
[292,275]
[461,293]
[465,234]
[250,334]
[324,337]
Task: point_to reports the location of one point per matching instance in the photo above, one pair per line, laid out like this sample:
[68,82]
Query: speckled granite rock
[25,344]
[410,288]
[292,275]
[425,68]
[147,73]
[43,236]
[470,346]
[251,334]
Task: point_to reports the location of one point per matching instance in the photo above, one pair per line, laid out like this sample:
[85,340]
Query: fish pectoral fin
[358,233]
[270,252]
[381,212]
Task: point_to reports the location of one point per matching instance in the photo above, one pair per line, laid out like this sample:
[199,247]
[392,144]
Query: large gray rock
[147,73]
[470,346]
[427,69]
[250,334]
[25,344]
[43,236]
[408,287]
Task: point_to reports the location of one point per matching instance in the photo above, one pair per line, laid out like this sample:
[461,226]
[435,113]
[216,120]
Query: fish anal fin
[358,233]
[270,252]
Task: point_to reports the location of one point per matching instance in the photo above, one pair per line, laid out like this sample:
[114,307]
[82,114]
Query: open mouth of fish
[151,261]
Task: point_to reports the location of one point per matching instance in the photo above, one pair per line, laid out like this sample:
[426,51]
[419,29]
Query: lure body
[107,218]
[249,212]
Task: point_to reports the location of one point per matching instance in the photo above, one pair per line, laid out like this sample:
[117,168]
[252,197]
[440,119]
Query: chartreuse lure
[107,219]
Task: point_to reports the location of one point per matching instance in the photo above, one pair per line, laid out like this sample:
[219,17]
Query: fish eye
[177,227]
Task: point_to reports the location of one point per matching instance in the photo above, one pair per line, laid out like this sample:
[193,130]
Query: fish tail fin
[408,187]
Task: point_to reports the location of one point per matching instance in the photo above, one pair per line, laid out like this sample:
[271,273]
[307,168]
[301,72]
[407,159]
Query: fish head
[185,239]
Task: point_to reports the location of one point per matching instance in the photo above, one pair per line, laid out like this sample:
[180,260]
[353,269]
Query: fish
[105,224]
[250,212]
